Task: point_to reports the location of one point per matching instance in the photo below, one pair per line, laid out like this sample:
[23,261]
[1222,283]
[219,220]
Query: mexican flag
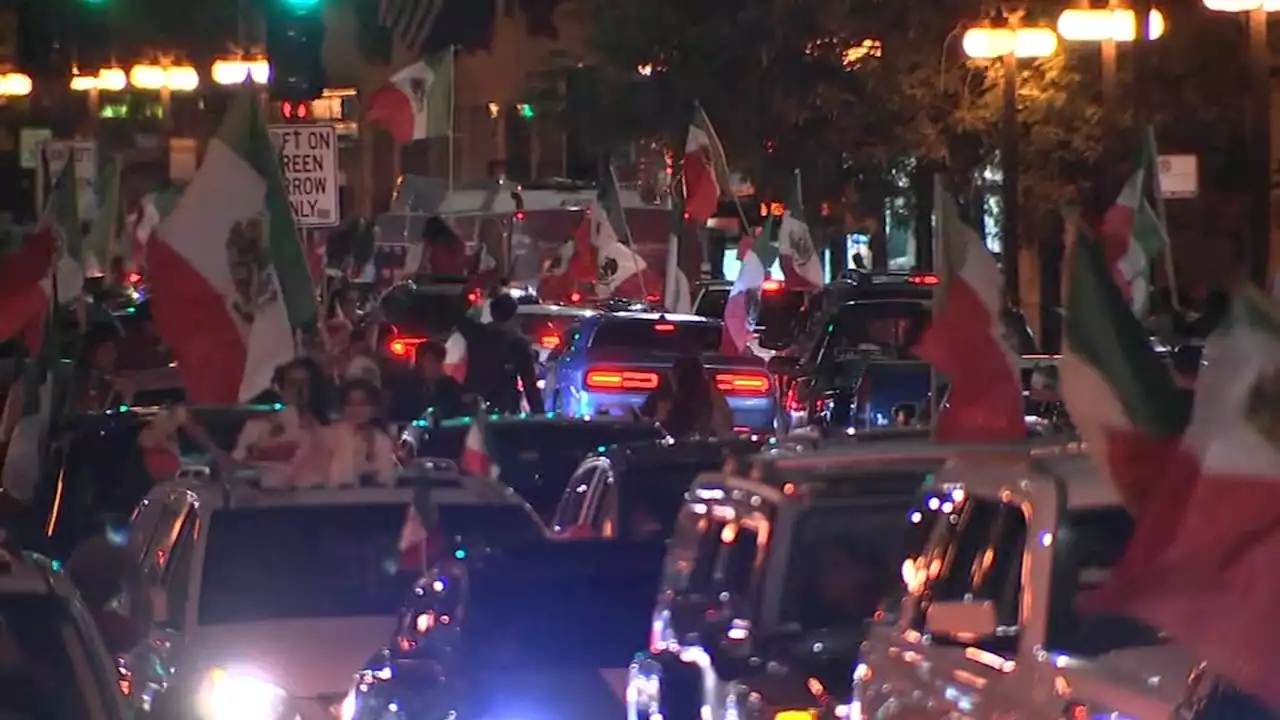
[676,295]
[801,261]
[1204,571]
[229,280]
[1133,232]
[755,253]
[455,357]
[417,102]
[966,341]
[1119,395]
[706,173]
[476,459]
[28,444]
[143,223]
[105,229]
[620,271]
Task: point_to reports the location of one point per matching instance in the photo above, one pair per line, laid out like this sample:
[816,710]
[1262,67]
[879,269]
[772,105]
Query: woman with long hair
[362,453]
[687,404]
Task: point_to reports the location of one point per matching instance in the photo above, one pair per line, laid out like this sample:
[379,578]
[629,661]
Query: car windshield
[779,308]
[302,561]
[715,550]
[887,327]
[544,329]
[653,495]
[429,311]
[45,666]
[711,302]
[1086,548]
[496,525]
[661,336]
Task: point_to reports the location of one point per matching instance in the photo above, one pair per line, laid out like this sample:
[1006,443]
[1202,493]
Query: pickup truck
[988,626]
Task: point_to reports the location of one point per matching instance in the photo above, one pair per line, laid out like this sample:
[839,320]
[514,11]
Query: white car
[990,628]
[268,601]
[52,660]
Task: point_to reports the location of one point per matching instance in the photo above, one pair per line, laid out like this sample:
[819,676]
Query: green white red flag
[620,270]
[801,261]
[1201,564]
[1133,232]
[706,172]
[755,255]
[228,275]
[476,459]
[966,340]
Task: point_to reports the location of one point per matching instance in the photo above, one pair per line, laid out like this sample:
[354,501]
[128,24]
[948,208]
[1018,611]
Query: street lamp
[1258,250]
[238,71]
[15,84]
[1009,44]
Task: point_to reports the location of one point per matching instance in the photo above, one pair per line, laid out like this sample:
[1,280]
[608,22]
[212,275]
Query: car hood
[306,658]
[1149,679]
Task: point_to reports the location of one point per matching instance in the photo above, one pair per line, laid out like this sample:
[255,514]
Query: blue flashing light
[460,554]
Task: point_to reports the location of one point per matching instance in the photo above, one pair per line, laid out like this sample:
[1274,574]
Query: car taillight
[924,279]
[135,278]
[770,286]
[664,327]
[550,342]
[607,380]
[575,297]
[473,297]
[743,383]
[404,346]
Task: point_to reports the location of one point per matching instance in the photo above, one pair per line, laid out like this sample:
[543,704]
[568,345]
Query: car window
[159,547]
[574,501]
[544,330]
[651,498]
[45,667]
[497,525]
[980,548]
[1088,544]
[888,328]
[603,513]
[658,336]
[779,308]
[711,302]
[421,311]
[715,551]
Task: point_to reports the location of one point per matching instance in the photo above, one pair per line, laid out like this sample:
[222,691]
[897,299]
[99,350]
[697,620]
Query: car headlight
[239,695]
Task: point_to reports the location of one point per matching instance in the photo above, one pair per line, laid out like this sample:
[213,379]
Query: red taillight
[653,298]
[770,286]
[743,383]
[405,346]
[135,278]
[520,215]
[473,297]
[924,279]
[550,342]
[615,380]
[664,327]
[575,297]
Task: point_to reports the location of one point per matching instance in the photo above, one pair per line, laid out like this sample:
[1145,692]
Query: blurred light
[525,111]
[646,69]
[988,43]
[84,83]
[866,48]
[112,79]
[1242,5]
[147,77]
[236,72]
[135,278]
[494,110]
[1099,24]
[182,78]
[15,84]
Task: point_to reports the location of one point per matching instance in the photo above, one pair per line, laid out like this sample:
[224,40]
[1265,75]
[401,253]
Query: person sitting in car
[361,451]
[278,443]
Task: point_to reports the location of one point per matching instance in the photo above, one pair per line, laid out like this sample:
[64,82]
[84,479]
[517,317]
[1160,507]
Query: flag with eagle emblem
[417,102]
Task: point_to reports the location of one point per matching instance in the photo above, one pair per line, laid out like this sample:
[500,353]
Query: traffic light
[525,110]
[294,111]
[295,33]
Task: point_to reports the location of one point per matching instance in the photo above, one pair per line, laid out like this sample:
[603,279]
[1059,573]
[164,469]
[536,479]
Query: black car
[420,309]
[535,455]
[798,336]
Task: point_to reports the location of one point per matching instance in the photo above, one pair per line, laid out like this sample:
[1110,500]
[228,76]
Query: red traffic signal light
[299,111]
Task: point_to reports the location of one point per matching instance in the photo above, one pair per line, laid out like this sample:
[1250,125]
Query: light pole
[1258,248]
[1008,44]
[1108,27]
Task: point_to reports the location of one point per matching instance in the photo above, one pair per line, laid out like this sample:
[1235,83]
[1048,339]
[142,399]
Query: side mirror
[966,621]
[783,365]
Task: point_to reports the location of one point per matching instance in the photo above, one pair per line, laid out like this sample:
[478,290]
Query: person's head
[431,357]
[294,381]
[360,400]
[502,308]
[688,376]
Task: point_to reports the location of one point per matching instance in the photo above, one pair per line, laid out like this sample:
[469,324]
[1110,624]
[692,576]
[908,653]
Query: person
[446,254]
[500,366]
[276,444]
[362,453]
[686,404]
[342,319]
[434,390]
[361,364]
[161,447]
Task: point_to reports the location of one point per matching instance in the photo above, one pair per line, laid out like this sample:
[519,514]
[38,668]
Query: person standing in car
[500,360]
[277,443]
[434,391]
[445,253]
[687,404]
[361,451]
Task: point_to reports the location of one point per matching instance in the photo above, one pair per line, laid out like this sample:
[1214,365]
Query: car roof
[20,574]
[556,310]
[661,452]
[445,489]
[537,419]
[664,317]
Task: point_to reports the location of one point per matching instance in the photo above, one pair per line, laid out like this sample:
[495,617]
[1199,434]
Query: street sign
[309,159]
[1179,176]
[84,155]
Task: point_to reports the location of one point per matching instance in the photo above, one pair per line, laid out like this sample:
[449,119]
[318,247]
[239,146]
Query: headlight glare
[238,695]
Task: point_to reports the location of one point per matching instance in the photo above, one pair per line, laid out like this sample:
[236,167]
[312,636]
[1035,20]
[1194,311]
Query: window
[158,547]
[711,302]
[574,501]
[719,552]
[545,331]
[651,499]
[416,312]
[981,551]
[44,663]
[672,338]
[887,327]
[604,506]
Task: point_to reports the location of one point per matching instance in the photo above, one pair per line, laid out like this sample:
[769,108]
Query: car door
[570,519]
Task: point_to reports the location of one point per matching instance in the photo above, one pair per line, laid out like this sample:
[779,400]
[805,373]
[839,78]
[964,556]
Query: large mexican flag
[229,280]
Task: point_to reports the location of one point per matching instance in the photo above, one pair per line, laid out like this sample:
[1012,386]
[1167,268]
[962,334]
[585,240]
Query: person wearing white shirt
[362,453]
[277,443]
[361,364]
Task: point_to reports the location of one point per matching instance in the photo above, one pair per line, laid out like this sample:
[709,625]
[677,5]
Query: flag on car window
[229,281]
[965,341]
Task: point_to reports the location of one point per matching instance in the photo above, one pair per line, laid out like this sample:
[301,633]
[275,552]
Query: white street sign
[309,159]
[1179,176]
[84,153]
[29,141]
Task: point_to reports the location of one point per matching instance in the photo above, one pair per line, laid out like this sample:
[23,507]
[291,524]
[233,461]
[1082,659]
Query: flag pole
[936,238]
[453,106]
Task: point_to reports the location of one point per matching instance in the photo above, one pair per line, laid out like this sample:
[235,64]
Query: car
[268,600]
[710,297]
[610,364]
[1017,543]
[773,570]
[419,309]
[534,454]
[635,490]
[53,662]
[777,306]
[545,325]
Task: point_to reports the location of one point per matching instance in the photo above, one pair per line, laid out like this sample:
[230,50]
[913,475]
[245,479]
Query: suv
[420,309]
[769,580]
[273,598]
[989,626]
[52,660]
